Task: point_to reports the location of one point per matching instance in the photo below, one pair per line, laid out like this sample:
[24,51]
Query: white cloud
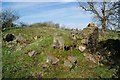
[20,6]
[23,5]
[50,13]
[62,13]
[71,15]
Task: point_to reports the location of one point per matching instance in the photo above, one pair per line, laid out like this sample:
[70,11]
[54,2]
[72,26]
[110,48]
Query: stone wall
[89,38]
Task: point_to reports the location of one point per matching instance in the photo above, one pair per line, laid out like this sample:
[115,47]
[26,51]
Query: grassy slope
[17,64]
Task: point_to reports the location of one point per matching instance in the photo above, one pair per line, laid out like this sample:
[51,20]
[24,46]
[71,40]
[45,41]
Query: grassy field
[17,64]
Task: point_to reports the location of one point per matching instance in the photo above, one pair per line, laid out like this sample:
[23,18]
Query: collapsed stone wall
[89,38]
[89,43]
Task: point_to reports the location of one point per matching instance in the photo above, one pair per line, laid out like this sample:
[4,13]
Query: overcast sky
[64,13]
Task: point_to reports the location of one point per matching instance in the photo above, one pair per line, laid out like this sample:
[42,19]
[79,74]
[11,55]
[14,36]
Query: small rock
[11,43]
[44,66]
[35,38]
[82,48]
[52,60]
[20,39]
[84,54]
[19,47]
[32,53]
[24,45]
[72,59]
[74,37]
[68,64]
[90,57]
[58,41]
[91,24]
[84,41]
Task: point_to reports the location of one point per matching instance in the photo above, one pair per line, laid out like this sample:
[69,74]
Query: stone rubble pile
[89,39]
[89,42]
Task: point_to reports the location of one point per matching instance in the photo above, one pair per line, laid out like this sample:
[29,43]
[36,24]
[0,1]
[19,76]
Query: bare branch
[83,7]
[107,12]
[91,5]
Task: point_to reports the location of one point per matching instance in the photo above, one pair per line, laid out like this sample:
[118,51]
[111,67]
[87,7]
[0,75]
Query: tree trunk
[103,19]
[103,26]
[103,29]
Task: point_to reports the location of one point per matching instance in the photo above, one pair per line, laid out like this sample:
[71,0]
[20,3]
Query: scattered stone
[92,66]
[89,57]
[71,62]
[52,60]
[82,48]
[69,47]
[93,58]
[72,59]
[19,47]
[91,24]
[24,45]
[84,54]
[45,66]
[84,41]
[32,53]
[36,37]
[9,37]
[74,38]
[58,42]
[11,44]
[74,35]
[20,39]
[68,64]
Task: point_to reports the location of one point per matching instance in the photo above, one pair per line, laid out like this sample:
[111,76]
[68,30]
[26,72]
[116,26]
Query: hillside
[18,64]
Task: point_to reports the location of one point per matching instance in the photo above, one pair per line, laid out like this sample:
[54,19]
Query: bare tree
[7,17]
[105,13]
